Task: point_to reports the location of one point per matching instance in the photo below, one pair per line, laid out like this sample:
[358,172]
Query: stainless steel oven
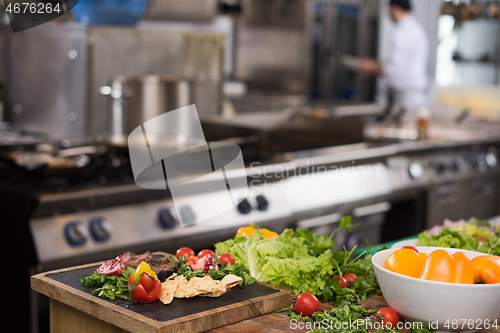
[369,220]
[336,29]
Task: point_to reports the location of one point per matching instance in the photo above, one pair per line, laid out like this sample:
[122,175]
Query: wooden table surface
[280,322]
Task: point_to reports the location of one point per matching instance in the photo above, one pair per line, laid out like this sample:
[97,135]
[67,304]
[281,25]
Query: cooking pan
[47,155]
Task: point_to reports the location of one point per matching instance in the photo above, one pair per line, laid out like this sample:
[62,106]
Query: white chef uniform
[405,70]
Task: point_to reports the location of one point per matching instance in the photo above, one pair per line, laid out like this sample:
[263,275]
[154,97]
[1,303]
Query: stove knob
[416,170]
[100,229]
[439,167]
[491,160]
[262,203]
[187,215]
[453,166]
[166,219]
[75,233]
[477,162]
[244,207]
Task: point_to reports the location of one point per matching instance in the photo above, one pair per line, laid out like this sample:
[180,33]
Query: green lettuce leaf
[295,261]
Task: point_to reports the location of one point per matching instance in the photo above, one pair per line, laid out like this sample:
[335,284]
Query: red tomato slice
[147,282]
[140,294]
[130,280]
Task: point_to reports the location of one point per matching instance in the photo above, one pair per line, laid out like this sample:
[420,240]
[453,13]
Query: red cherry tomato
[227,258]
[306,304]
[388,317]
[184,251]
[350,278]
[205,252]
[342,281]
[410,248]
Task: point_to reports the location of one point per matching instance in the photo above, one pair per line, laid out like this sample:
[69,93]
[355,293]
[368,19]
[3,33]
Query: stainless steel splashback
[55,72]
[185,10]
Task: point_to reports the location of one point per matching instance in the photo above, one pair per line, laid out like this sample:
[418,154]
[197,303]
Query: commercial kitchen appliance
[55,72]
[336,29]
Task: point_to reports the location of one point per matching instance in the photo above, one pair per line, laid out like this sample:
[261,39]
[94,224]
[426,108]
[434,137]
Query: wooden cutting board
[197,314]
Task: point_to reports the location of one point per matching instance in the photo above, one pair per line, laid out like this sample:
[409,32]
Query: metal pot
[134,100]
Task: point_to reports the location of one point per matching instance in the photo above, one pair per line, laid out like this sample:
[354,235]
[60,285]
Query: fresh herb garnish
[346,317]
[217,274]
[111,287]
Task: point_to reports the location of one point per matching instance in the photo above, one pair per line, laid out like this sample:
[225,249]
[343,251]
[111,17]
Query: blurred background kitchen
[281,79]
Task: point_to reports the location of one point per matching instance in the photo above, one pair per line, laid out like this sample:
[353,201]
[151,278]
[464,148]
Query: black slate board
[179,307]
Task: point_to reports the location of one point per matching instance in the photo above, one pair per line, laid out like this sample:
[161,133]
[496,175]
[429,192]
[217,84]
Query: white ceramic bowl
[437,303]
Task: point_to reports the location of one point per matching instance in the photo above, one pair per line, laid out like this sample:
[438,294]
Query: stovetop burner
[107,169]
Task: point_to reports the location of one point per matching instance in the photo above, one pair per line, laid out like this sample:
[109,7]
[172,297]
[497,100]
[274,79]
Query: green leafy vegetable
[109,286]
[457,239]
[475,235]
[490,246]
[347,317]
[236,269]
[299,261]
[364,287]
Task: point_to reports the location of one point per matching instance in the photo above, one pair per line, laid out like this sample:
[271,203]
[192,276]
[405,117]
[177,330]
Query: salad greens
[474,235]
[347,317]
[109,286]
[448,237]
[217,274]
[304,262]
[364,286]
[288,260]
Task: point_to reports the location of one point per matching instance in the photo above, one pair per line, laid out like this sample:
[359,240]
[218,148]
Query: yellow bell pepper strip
[406,262]
[463,268]
[270,234]
[486,269]
[441,266]
[246,231]
[144,267]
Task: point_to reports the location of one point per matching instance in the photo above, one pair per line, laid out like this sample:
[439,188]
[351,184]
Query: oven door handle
[319,221]
[372,209]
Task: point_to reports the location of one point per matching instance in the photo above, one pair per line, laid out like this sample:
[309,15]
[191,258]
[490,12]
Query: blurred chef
[405,70]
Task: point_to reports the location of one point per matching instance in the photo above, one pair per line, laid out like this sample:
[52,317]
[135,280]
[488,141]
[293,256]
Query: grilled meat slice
[133,260]
[161,265]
